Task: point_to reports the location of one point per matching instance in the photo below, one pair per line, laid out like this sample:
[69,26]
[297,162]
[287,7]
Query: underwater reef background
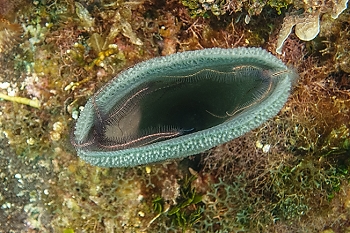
[289,175]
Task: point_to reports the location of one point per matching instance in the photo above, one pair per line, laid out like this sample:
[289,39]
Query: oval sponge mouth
[179,105]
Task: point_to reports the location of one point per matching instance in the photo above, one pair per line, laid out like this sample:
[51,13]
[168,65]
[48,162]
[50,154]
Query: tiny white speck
[266,148]
[6,205]
[75,114]
[4,85]
[30,141]
[140,198]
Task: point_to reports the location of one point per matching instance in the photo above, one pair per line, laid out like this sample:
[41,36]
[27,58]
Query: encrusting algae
[289,175]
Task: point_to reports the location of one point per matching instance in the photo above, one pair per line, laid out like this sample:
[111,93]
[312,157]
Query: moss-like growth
[186,211]
[217,8]
[293,163]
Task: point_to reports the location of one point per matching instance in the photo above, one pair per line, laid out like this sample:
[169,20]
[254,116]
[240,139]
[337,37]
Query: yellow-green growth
[21,100]
[187,211]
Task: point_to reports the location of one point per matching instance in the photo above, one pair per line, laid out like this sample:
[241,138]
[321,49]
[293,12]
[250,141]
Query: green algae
[187,210]
[218,8]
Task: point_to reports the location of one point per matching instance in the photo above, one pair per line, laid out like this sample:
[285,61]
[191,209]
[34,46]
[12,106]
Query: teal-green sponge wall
[192,143]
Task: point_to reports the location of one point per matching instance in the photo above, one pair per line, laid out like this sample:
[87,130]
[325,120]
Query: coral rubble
[306,28]
[307,25]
